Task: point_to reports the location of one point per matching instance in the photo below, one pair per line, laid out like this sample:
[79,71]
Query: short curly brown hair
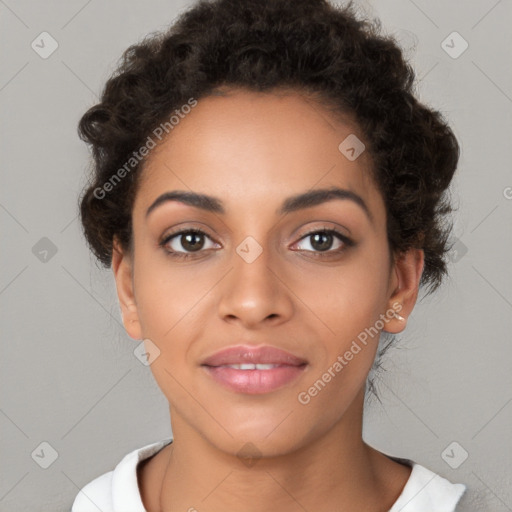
[309,46]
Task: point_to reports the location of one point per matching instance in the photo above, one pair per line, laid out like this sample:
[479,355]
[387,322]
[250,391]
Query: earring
[399,317]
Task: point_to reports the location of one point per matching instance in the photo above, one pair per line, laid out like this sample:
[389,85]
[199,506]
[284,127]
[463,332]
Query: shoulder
[95,496]
[117,490]
[428,491]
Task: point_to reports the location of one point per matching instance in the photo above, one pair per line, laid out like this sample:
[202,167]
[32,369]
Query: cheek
[349,297]
[160,289]
[167,293]
[169,303]
[346,350]
[347,303]
[174,303]
[348,339]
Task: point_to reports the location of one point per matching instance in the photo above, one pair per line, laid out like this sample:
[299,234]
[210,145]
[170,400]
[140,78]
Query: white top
[118,490]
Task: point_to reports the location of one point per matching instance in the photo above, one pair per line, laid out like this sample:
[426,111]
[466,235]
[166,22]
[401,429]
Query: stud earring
[399,317]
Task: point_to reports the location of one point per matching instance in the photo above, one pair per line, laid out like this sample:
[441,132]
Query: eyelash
[347,242]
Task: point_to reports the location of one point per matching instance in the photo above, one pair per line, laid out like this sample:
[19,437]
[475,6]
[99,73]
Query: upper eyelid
[191,225]
[325,229]
[167,238]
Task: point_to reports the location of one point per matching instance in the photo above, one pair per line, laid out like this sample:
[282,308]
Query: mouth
[253,370]
[254,379]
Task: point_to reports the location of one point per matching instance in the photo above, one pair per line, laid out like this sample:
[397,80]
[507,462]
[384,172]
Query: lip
[264,354]
[288,367]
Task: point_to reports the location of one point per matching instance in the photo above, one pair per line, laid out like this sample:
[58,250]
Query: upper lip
[240,354]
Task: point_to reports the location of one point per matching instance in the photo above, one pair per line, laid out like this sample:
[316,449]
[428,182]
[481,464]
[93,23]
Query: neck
[337,471]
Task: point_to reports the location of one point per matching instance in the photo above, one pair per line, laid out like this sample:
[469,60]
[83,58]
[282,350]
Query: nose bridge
[252,291]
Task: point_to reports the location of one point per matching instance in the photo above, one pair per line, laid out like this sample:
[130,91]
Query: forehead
[253,148]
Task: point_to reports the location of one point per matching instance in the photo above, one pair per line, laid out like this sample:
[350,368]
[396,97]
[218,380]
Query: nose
[255,293]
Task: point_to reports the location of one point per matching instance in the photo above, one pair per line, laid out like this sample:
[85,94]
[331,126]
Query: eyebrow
[291,204]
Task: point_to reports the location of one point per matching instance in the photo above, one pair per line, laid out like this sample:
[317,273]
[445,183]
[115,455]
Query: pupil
[321,241]
[191,242]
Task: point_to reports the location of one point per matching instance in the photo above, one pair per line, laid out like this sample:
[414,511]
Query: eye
[322,241]
[182,244]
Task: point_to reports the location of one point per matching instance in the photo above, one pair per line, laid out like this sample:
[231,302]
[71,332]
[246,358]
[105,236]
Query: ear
[404,286]
[123,273]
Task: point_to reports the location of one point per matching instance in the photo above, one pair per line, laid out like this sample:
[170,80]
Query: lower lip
[254,382]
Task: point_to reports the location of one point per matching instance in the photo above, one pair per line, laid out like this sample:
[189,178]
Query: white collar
[118,490]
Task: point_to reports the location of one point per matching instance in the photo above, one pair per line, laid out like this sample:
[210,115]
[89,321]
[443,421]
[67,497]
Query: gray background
[69,376]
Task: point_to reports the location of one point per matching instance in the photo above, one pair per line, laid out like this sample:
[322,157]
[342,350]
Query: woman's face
[265,272]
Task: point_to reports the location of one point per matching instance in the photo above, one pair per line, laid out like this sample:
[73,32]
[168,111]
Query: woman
[270,196]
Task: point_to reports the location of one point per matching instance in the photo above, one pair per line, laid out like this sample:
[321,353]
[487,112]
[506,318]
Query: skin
[252,151]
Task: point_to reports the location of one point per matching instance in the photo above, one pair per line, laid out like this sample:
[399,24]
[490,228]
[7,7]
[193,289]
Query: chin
[263,437]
